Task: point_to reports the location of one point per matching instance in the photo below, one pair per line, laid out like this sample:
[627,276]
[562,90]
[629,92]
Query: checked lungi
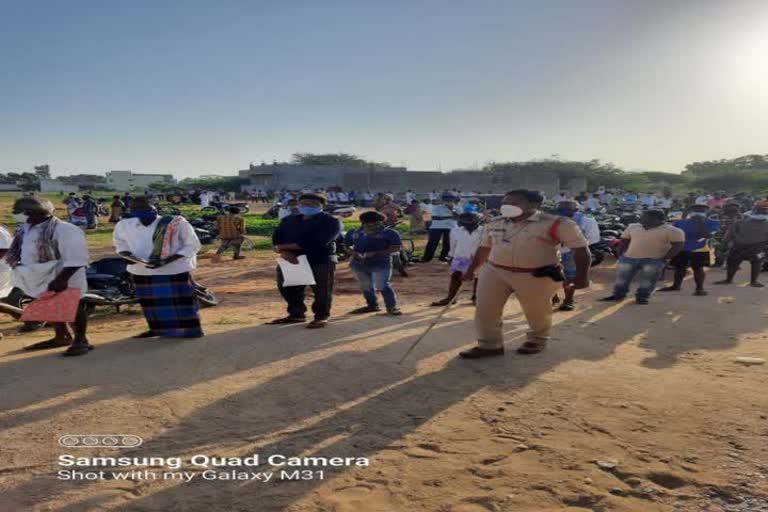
[169,304]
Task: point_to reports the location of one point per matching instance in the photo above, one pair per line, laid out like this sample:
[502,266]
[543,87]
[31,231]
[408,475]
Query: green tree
[339,159]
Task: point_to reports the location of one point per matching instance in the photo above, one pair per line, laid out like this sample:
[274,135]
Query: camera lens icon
[100,441]
[69,441]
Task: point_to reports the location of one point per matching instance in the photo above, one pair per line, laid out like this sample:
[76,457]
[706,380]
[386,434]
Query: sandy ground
[651,392]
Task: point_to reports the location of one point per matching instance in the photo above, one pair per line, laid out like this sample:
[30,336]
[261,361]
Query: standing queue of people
[524,251]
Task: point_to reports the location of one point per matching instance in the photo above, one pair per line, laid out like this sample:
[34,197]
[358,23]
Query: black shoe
[611,298]
[365,309]
[642,302]
[394,312]
[478,353]
[567,306]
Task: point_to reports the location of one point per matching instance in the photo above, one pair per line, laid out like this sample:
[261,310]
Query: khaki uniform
[524,246]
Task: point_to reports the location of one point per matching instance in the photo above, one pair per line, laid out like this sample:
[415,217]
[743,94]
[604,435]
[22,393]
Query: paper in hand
[298,274]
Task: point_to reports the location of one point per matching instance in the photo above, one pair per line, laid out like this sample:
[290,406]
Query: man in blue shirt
[699,231]
[372,248]
[311,233]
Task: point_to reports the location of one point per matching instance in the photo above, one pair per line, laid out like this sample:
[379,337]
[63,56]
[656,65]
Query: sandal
[443,302]
[287,320]
[78,350]
[45,345]
[532,347]
[567,306]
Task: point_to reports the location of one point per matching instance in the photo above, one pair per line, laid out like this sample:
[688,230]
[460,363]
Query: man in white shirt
[343,196]
[443,220]
[593,203]
[161,272]
[560,197]
[410,197]
[664,203]
[648,200]
[205,200]
[465,240]
[332,197]
[48,254]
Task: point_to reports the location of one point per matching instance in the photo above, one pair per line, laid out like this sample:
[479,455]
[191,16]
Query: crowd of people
[528,246]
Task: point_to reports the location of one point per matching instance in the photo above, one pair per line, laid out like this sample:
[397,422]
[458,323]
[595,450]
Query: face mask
[511,211]
[20,218]
[564,212]
[758,216]
[146,216]
[697,214]
[308,210]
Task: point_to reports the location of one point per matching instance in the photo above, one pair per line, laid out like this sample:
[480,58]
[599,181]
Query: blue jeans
[648,271]
[376,278]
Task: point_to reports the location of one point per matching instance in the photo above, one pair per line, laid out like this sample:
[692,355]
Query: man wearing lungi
[48,254]
[164,251]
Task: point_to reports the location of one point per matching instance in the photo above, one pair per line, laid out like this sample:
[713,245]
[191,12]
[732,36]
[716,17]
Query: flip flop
[45,345]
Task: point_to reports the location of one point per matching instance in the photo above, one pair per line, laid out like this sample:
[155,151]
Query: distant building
[9,187]
[51,185]
[125,181]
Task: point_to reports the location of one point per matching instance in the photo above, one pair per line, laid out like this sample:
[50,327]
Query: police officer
[519,254]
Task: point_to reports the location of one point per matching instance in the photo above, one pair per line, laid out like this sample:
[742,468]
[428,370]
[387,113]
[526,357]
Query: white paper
[299,274]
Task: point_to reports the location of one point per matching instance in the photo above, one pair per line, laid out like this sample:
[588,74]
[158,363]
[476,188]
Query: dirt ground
[631,409]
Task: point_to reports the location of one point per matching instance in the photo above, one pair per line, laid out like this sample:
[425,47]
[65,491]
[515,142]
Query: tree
[715,167]
[43,172]
[338,159]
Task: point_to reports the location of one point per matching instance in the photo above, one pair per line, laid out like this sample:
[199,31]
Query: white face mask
[20,218]
[697,214]
[758,216]
[511,211]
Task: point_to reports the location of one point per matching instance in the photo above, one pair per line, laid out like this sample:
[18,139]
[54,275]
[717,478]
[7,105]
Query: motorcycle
[221,207]
[110,284]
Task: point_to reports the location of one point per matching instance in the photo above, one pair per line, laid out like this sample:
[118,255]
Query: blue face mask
[149,215]
[563,212]
[308,210]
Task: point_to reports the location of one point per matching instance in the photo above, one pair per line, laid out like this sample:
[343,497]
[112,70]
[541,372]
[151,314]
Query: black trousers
[294,295]
[434,238]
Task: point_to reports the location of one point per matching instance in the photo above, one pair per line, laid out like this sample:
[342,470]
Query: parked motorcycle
[222,207]
[110,284]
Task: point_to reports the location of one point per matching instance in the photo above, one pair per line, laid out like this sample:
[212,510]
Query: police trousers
[494,287]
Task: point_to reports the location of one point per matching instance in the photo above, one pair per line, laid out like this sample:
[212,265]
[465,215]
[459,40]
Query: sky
[192,87]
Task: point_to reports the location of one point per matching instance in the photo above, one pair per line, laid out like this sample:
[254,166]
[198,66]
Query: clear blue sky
[206,87]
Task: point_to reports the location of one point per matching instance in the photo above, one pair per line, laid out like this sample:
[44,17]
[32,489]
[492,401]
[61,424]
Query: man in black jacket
[313,234]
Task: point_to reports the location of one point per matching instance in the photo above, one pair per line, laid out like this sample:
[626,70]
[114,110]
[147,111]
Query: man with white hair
[48,254]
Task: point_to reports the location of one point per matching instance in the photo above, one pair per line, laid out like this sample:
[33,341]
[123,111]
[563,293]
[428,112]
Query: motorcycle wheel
[208,209]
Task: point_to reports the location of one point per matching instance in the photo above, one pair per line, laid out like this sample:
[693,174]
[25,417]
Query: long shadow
[362,397]
[357,403]
[189,361]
